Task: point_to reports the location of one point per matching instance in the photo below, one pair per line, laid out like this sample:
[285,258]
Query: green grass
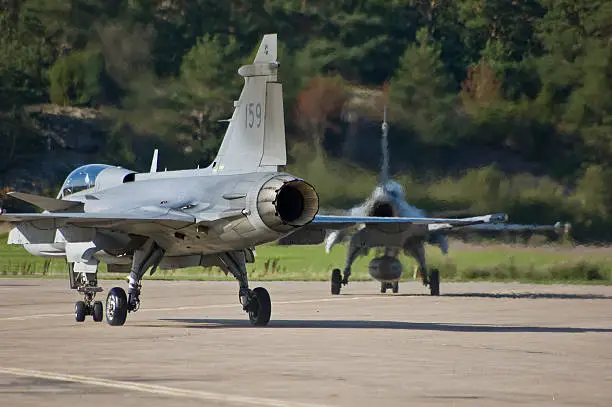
[311,263]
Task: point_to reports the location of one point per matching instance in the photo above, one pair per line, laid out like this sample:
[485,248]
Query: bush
[525,198]
[80,79]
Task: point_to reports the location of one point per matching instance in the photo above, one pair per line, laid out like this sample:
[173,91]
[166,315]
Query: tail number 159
[252,117]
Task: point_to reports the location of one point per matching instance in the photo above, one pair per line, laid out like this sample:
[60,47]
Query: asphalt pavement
[479,344]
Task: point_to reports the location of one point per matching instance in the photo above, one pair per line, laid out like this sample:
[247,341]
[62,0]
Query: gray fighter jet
[213,216]
[388,200]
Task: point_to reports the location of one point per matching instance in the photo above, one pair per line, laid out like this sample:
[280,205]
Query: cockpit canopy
[390,190]
[82,178]
[394,189]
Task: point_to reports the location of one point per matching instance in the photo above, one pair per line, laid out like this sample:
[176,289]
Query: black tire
[395,287]
[336,281]
[98,311]
[383,288]
[80,311]
[116,306]
[261,308]
[434,282]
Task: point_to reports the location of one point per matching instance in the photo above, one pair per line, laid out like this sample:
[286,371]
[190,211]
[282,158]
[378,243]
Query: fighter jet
[213,216]
[388,200]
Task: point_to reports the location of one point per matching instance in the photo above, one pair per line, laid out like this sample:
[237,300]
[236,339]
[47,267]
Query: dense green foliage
[529,79]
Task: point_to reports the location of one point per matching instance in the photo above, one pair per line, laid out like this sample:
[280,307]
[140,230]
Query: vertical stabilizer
[255,138]
[384,170]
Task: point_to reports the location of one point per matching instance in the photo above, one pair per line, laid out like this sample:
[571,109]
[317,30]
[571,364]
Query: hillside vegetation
[494,106]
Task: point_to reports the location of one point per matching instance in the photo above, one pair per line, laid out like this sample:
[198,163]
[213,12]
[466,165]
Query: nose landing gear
[87,285]
[88,306]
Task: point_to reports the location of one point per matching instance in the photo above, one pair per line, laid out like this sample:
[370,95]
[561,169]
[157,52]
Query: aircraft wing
[315,231]
[341,222]
[49,204]
[97,220]
[557,227]
[127,221]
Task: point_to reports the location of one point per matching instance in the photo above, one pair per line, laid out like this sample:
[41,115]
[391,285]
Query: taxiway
[190,343]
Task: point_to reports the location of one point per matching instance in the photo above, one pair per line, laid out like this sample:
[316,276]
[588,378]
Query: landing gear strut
[355,250]
[255,302]
[337,281]
[118,304]
[432,278]
[87,285]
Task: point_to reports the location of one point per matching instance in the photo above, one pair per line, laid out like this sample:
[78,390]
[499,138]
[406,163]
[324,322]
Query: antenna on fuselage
[154,161]
[384,171]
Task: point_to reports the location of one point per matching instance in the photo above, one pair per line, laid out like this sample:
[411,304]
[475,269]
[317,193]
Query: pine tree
[419,94]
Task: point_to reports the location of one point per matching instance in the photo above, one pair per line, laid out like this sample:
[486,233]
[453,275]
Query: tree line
[529,77]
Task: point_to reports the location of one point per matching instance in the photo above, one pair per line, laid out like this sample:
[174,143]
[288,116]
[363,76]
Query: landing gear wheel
[98,311]
[434,282]
[395,287]
[383,288]
[80,310]
[260,307]
[116,306]
[336,281]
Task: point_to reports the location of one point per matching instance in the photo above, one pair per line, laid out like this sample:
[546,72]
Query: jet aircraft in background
[214,216]
[388,200]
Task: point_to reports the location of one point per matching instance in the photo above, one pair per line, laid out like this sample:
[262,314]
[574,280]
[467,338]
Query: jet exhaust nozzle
[286,202]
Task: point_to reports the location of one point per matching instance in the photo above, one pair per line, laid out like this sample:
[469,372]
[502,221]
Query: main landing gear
[416,249]
[118,304]
[87,285]
[433,281]
[393,286]
[259,306]
[337,280]
[256,303]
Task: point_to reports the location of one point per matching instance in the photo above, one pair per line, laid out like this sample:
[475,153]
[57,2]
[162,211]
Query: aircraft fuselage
[252,208]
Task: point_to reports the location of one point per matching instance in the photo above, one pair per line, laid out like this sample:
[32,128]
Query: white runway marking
[151,388]
[197,307]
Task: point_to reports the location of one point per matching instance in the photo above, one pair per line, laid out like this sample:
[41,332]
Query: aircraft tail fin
[255,138]
[384,170]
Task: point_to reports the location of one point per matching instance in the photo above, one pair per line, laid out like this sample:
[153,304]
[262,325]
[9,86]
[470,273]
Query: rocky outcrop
[69,128]
[63,138]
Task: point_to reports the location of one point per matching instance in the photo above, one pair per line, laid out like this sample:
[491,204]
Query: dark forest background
[494,106]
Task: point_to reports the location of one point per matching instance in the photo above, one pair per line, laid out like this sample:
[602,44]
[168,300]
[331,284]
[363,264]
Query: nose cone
[394,190]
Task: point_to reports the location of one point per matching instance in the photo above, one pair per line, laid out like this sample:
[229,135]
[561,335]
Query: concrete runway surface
[190,344]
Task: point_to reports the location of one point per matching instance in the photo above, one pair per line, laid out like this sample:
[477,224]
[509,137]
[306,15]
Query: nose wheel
[83,308]
[393,286]
[88,306]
